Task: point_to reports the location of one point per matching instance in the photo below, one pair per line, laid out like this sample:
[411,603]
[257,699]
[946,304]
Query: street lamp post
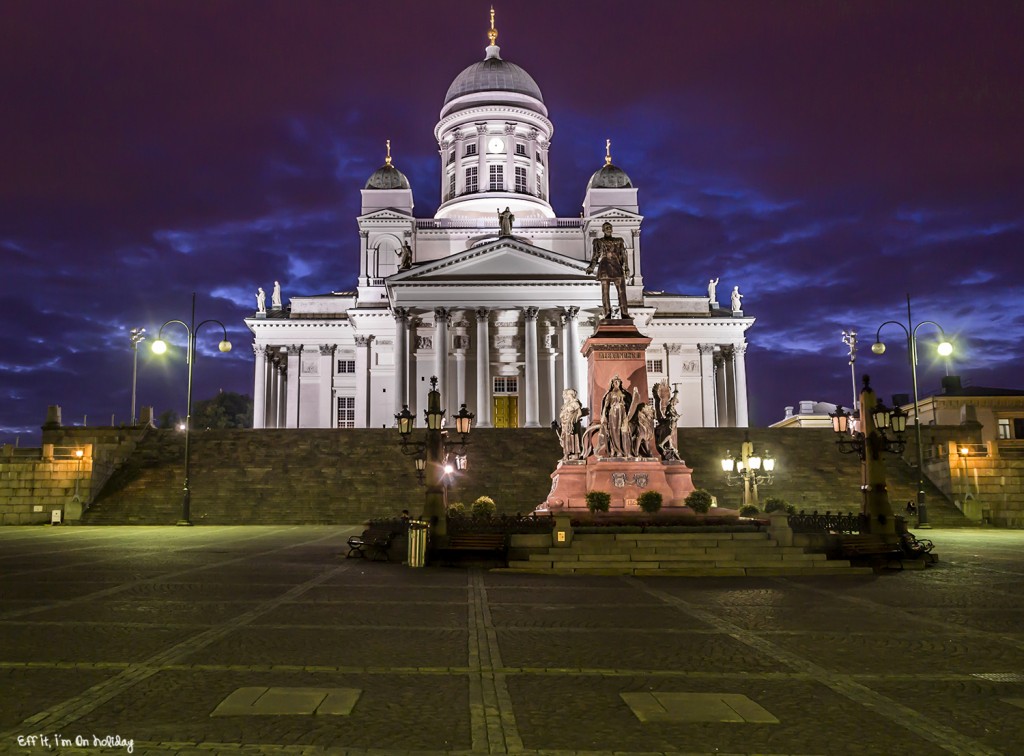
[944,349]
[431,454]
[880,430]
[159,347]
[749,468]
[135,336]
[79,454]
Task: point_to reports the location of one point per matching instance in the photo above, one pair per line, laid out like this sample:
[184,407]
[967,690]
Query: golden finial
[492,34]
[607,151]
[387,160]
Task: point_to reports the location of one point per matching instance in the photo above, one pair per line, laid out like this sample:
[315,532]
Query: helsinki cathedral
[491,294]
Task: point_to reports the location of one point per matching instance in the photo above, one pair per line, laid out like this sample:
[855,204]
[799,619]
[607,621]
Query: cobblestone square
[142,632]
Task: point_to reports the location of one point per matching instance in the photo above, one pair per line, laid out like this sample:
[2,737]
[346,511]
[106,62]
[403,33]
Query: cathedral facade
[491,294]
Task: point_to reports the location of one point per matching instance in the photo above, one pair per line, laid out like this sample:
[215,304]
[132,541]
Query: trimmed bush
[484,508]
[776,503]
[699,501]
[456,508]
[749,510]
[598,501]
[650,501]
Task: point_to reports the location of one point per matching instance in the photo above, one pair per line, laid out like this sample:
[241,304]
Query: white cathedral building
[499,317]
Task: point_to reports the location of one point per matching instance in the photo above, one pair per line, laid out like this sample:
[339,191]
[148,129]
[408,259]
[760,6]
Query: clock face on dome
[496,144]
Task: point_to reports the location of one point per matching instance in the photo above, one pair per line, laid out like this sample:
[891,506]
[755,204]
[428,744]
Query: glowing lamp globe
[945,349]
[224,346]
[159,346]
[878,347]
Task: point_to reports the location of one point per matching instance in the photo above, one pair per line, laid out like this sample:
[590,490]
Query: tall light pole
[159,347]
[850,339]
[136,335]
[944,349]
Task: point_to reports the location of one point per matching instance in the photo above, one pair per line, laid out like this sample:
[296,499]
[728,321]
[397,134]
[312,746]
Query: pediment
[385,215]
[612,214]
[502,259]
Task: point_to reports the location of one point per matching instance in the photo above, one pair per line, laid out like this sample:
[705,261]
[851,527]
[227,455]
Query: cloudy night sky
[828,157]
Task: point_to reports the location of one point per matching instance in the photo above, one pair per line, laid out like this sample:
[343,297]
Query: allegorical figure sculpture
[404,256]
[569,426]
[643,440]
[612,268]
[713,289]
[505,218]
[275,297]
[736,297]
[615,434]
[261,300]
[667,416]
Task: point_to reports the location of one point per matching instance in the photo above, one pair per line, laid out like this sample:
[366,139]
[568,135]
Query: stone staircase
[696,555]
[289,476]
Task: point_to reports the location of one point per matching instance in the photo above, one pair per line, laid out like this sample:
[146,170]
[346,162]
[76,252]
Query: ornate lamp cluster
[890,424]
[452,454]
[749,469]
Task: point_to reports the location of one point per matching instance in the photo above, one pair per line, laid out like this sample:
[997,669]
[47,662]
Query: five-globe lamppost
[159,347]
[749,468]
[944,349]
[432,454]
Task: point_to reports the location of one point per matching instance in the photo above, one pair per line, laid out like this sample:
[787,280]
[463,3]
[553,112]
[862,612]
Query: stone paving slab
[466,662]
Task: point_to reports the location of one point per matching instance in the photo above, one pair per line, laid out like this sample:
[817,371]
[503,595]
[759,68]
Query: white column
[483,368]
[326,394]
[401,358]
[294,370]
[459,342]
[531,376]
[273,387]
[510,157]
[551,390]
[707,384]
[739,371]
[259,389]
[722,391]
[572,354]
[363,381]
[441,319]
[282,390]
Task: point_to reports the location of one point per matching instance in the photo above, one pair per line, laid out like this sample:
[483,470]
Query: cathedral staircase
[696,555]
[288,476]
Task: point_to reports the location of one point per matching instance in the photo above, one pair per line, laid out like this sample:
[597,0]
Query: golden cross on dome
[492,34]
[387,160]
[607,151]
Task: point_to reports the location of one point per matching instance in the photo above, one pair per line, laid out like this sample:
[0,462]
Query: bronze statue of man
[612,268]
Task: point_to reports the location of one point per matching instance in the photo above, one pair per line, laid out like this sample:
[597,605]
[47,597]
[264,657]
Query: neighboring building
[498,314]
[1000,412]
[811,415]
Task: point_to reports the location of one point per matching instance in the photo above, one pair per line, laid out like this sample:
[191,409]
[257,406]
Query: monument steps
[729,554]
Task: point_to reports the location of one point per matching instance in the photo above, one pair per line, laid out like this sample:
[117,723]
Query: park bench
[373,543]
[494,545]
[878,548]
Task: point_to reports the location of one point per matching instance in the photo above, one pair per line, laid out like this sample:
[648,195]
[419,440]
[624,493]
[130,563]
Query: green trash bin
[419,530]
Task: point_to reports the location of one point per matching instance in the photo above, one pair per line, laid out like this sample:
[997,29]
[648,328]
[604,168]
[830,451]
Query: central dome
[493,74]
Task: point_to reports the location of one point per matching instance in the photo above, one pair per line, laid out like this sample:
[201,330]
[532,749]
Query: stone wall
[34,482]
[986,483]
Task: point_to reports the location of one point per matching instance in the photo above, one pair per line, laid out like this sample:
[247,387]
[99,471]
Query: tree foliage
[226,410]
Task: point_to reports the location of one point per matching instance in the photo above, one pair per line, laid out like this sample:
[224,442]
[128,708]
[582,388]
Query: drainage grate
[1001,676]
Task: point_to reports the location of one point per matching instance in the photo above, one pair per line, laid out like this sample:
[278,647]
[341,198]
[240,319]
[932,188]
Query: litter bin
[418,532]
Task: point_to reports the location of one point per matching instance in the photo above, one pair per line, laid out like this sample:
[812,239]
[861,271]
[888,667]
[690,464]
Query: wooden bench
[868,545]
[495,544]
[373,544]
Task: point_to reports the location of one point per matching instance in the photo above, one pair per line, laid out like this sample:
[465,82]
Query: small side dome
[387,176]
[610,177]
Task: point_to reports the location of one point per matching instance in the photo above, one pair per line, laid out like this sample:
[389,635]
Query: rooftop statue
[713,289]
[404,256]
[736,297]
[261,300]
[505,218]
[612,266]
[275,297]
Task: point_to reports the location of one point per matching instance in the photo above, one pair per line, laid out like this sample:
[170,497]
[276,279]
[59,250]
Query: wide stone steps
[727,554]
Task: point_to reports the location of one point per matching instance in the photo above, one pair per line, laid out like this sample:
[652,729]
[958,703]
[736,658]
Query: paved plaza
[264,640]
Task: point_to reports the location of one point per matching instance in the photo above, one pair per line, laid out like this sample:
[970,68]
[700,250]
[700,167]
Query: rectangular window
[346,366]
[1018,427]
[1003,428]
[451,157]
[471,148]
[520,180]
[520,148]
[346,412]
[540,186]
[506,385]
[655,366]
[451,185]
[497,178]
[471,180]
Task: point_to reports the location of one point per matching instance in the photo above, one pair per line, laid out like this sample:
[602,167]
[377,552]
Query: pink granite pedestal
[623,479]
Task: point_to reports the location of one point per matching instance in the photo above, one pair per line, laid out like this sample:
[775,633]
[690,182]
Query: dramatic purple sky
[829,157]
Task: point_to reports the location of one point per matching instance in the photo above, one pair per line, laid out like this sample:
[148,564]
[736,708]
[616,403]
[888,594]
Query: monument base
[623,479]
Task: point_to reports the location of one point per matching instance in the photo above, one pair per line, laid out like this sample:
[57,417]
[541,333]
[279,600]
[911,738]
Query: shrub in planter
[598,501]
[456,509]
[484,507]
[776,503]
[650,501]
[749,510]
[699,501]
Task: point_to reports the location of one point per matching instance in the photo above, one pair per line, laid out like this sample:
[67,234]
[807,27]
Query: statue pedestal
[624,479]
[617,348]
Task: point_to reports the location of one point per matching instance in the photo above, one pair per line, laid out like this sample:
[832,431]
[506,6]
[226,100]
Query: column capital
[362,341]
[401,313]
[481,129]
[571,312]
[442,313]
[482,313]
[295,349]
[738,349]
[327,350]
[674,348]
[530,313]
[259,349]
[706,348]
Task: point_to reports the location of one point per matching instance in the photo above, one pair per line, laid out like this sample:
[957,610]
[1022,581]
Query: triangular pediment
[613,214]
[386,214]
[503,259]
